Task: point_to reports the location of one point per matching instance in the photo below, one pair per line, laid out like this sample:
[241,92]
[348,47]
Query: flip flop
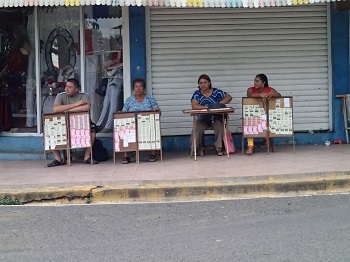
[152,158]
[126,160]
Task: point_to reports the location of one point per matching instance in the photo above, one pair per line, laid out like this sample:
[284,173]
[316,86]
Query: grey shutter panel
[288,44]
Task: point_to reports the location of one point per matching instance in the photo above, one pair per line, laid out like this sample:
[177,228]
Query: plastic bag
[229,145]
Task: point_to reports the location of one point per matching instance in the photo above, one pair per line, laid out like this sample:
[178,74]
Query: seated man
[73,101]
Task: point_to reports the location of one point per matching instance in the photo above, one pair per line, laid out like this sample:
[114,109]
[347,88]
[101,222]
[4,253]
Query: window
[17,86]
[104,63]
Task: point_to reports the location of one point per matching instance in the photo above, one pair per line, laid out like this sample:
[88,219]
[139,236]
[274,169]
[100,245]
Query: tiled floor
[307,159]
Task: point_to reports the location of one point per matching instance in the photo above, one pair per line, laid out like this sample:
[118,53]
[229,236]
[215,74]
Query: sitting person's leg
[153,156]
[58,160]
[219,134]
[201,125]
[126,158]
[250,149]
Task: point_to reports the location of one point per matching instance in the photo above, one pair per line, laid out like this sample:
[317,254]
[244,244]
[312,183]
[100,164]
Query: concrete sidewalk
[311,168]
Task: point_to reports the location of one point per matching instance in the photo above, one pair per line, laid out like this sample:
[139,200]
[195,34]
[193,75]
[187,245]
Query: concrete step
[186,190]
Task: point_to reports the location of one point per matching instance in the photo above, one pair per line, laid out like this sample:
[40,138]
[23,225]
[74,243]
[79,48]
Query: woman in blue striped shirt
[204,98]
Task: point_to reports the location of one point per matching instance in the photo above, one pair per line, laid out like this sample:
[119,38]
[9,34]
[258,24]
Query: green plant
[7,200]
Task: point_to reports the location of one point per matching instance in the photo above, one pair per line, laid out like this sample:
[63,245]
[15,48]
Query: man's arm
[85,107]
[80,105]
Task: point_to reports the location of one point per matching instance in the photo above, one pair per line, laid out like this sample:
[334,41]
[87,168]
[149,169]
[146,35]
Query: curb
[186,190]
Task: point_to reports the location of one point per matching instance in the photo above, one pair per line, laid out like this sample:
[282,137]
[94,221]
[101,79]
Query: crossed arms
[80,105]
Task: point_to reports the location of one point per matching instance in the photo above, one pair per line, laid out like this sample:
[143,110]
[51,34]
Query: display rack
[66,131]
[79,130]
[137,131]
[55,133]
[124,133]
[267,118]
[149,132]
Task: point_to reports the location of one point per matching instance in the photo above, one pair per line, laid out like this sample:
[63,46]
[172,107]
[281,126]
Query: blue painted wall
[340,65]
[137,43]
[26,147]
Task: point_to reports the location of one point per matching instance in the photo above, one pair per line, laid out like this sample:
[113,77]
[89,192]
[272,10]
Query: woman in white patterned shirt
[140,101]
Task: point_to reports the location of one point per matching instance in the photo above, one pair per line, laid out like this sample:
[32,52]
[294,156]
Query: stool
[346,127]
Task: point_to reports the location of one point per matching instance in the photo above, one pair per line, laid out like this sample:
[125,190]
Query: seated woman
[261,89]
[140,101]
[208,97]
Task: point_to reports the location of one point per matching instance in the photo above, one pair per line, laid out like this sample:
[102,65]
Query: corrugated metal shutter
[288,44]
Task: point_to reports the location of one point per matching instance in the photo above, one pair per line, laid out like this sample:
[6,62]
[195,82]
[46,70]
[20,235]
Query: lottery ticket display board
[281,117]
[124,133]
[149,137]
[79,130]
[254,117]
[267,118]
[55,132]
[65,131]
[135,132]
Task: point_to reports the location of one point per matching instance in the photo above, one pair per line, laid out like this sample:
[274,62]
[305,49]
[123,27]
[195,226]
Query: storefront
[42,48]
[301,48]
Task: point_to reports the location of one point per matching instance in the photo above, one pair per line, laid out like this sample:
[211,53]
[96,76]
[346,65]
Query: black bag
[99,152]
[102,88]
[216,106]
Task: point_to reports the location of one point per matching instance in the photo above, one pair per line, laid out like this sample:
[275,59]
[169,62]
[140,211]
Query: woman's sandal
[219,152]
[250,150]
[126,160]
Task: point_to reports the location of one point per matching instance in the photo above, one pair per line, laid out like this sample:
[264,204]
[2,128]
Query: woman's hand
[273,93]
[269,95]
[263,95]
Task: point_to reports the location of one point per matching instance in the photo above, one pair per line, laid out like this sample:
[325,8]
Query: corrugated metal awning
[166,3]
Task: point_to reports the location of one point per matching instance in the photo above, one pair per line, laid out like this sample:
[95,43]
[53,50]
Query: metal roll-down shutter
[288,44]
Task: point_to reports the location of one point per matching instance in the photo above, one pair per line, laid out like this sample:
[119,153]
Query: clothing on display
[111,102]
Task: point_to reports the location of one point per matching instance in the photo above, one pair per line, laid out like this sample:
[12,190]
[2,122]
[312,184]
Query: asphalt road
[315,228]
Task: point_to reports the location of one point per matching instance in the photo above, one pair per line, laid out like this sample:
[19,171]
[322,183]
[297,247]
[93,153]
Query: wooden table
[195,112]
[343,101]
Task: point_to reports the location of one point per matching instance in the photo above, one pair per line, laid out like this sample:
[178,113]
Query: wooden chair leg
[272,144]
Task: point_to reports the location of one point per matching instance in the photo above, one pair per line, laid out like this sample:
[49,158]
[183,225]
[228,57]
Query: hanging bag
[229,145]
